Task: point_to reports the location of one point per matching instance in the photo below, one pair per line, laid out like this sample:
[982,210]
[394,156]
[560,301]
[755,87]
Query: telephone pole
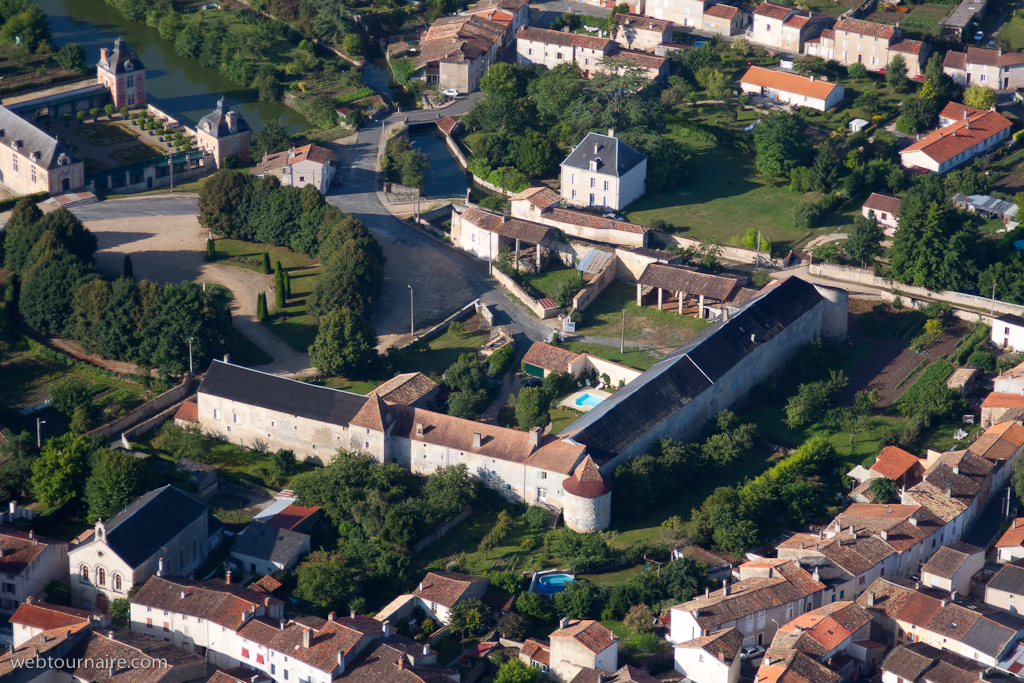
[622,339]
[992,309]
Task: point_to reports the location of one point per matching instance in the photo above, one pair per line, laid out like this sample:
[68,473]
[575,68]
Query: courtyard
[108,142]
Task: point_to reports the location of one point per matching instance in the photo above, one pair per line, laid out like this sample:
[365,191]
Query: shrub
[536,517]
[983,360]
[513,626]
[501,359]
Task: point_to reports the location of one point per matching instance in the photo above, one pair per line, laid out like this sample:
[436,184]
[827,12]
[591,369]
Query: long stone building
[568,471]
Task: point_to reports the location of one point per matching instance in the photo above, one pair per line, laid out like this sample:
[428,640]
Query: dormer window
[593,164]
[128,65]
[208,127]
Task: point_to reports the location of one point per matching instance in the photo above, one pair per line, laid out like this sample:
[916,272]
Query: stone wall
[586,515]
[428,541]
[529,301]
[738,254]
[145,411]
[594,288]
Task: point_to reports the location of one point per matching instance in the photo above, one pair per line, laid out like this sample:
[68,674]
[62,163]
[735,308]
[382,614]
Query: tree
[896,74]
[124,112]
[184,442]
[885,491]
[513,626]
[120,608]
[323,580]
[682,578]
[781,145]
[871,103]
[345,345]
[640,619]
[352,44]
[265,267]
[286,283]
[261,306]
[824,170]
[58,593]
[222,204]
[980,97]
[211,250]
[58,473]
[284,463]
[934,246]
[857,71]
[272,139]
[865,241]
[17,453]
[514,671]
[68,393]
[117,478]
[576,601]
[828,252]
[811,400]
[126,269]
[535,154]
[71,57]
[534,606]
[467,616]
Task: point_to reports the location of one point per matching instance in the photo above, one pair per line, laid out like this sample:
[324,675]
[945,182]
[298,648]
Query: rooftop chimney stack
[535,437]
[104,54]
[182,595]
[725,587]
[476,444]
[419,429]
[611,132]
[307,638]
[945,603]
[351,614]
[330,616]
[871,599]
[13,507]
[426,650]
[563,622]
[160,567]
[956,469]
[227,574]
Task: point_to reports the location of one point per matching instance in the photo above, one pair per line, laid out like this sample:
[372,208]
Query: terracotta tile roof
[188,412]
[629,674]
[511,5]
[215,601]
[512,228]
[724,644]
[549,37]
[883,203]
[447,124]
[20,549]
[955,60]
[239,674]
[948,560]
[586,481]
[894,462]
[1009,579]
[850,552]
[911,662]
[999,442]
[721,11]
[641,59]
[955,110]
[693,283]
[907,46]
[997,400]
[591,221]
[865,28]
[536,651]
[959,137]
[789,582]
[388,662]
[293,156]
[707,557]
[445,588]
[292,517]
[541,197]
[371,415]
[496,15]
[588,633]
[989,57]
[550,357]
[327,639]
[828,33]
[953,621]
[904,525]
[767,9]
[266,584]
[797,21]
[95,648]
[642,23]
[45,617]
[796,667]
[406,388]
[1014,536]
[786,82]
[820,631]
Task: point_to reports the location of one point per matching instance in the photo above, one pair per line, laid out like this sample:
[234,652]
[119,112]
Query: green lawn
[445,350]
[633,357]
[549,281]
[254,250]
[562,418]
[1013,31]
[292,323]
[354,386]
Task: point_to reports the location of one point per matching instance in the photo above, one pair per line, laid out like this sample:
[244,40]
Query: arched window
[85,573]
[117,582]
[101,576]
[195,548]
[181,560]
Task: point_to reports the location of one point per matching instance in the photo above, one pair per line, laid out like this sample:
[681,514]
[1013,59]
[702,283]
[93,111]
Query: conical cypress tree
[279,290]
[127,270]
[266,263]
[259,307]
[211,251]
[277,269]
[287,284]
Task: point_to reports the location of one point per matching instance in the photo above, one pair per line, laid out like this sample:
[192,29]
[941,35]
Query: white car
[978,36]
[451,93]
[751,651]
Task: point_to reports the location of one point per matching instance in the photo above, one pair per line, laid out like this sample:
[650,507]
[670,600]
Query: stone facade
[224,134]
[585,515]
[47,560]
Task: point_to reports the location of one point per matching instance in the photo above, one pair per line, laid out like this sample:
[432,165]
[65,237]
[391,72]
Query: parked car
[533,382]
[991,43]
[451,93]
[978,36]
[751,651]
[614,216]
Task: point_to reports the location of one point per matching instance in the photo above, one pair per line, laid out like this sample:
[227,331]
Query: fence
[146,410]
[867,277]
[151,173]
[428,541]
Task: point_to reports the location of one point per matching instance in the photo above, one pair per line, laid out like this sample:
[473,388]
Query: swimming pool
[586,399]
[554,583]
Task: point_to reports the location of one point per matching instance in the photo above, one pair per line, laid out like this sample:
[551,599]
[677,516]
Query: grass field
[292,323]
[445,350]
[254,250]
[549,281]
[562,418]
[354,386]
[1013,31]
[633,357]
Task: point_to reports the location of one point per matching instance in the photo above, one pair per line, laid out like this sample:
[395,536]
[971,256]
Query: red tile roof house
[543,205]
[580,644]
[999,407]
[551,48]
[792,89]
[952,568]
[714,658]
[484,234]
[27,563]
[956,144]
[543,359]
[884,209]
[981,66]
[456,51]
[299,166]
[35,616]
[436,594]
[906,469]
[1010,545]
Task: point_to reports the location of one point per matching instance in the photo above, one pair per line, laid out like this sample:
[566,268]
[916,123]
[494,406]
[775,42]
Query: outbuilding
[792,89]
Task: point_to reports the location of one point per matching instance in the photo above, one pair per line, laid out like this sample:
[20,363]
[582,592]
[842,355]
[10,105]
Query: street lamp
[39,432]
[412,313]
[190,355]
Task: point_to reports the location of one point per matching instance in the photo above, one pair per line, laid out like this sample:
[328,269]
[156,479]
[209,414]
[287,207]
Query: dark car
[533,382]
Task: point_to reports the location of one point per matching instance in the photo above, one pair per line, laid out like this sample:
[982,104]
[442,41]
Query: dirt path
[170,249]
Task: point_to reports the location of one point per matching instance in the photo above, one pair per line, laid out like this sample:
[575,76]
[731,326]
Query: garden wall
[969,316]
[594,288]
[738,254]
[428,541]
[437,330]
[867,277]
[146,410]
[461,159]
[518,292]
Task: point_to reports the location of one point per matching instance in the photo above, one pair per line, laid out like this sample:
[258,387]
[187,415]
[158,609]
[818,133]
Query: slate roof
[588,633]
[406,388]
[271,543]
[122,59]
[910,662]
[550,357]
[948,560]
[724,644]
[149,523]
[614,157]
[1014,536]
[20,549]
[217,601]
[684,374]
[218,122]
[789,582]
[45,617]
[883,203]
[767,9]
[32,143]
[865,28]
[945,143]
[281,395]
[893,462]
[1009,579]
[786,82]
[445,588]
[692,282]
[587,481]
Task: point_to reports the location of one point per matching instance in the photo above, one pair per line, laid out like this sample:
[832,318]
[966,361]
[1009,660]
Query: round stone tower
[587,500]
[834,318]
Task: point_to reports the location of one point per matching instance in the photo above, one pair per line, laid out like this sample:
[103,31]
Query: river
[180,86]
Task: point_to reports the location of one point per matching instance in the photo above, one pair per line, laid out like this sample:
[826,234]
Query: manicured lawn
[244,352]
[657,331]
[633,357]
[620,576]
[549,281]
[562,418]
[445,350]
[1013,31]
[292,323]
[254,250]
[354,386]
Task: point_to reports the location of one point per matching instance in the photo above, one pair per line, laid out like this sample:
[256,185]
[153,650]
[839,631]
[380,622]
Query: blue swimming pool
[554,583]
[588,400]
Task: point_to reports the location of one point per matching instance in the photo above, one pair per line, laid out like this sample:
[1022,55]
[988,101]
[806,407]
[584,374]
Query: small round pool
[550,584]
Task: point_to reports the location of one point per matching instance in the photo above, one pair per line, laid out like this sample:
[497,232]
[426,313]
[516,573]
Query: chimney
[32,534]
[426,650]
[227,357]
[967,125]
[401,660]
[330,616]
[816,575]
[952,596]
[421,586]
[160,567]
[821,534]
[956,469]
[851,530]
[307,637]
[341,660]
[945,602]
[280,624]
[476,444]
[918,585]
[563,623]
[1,552]
[812,78]
[871,599]
[351,614]
[707,591]
[266,601]
[182,595]
[245,615]
[227,573]
[13,507]
[913,520]
[535,437]
[386,629]
[611,132]
[949,492]
[291,153]
[111,671]
[725,587]
[29,599]
[884,534]
[419,429]
[110,634]
[596,147]
[232,119]
[504,218]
